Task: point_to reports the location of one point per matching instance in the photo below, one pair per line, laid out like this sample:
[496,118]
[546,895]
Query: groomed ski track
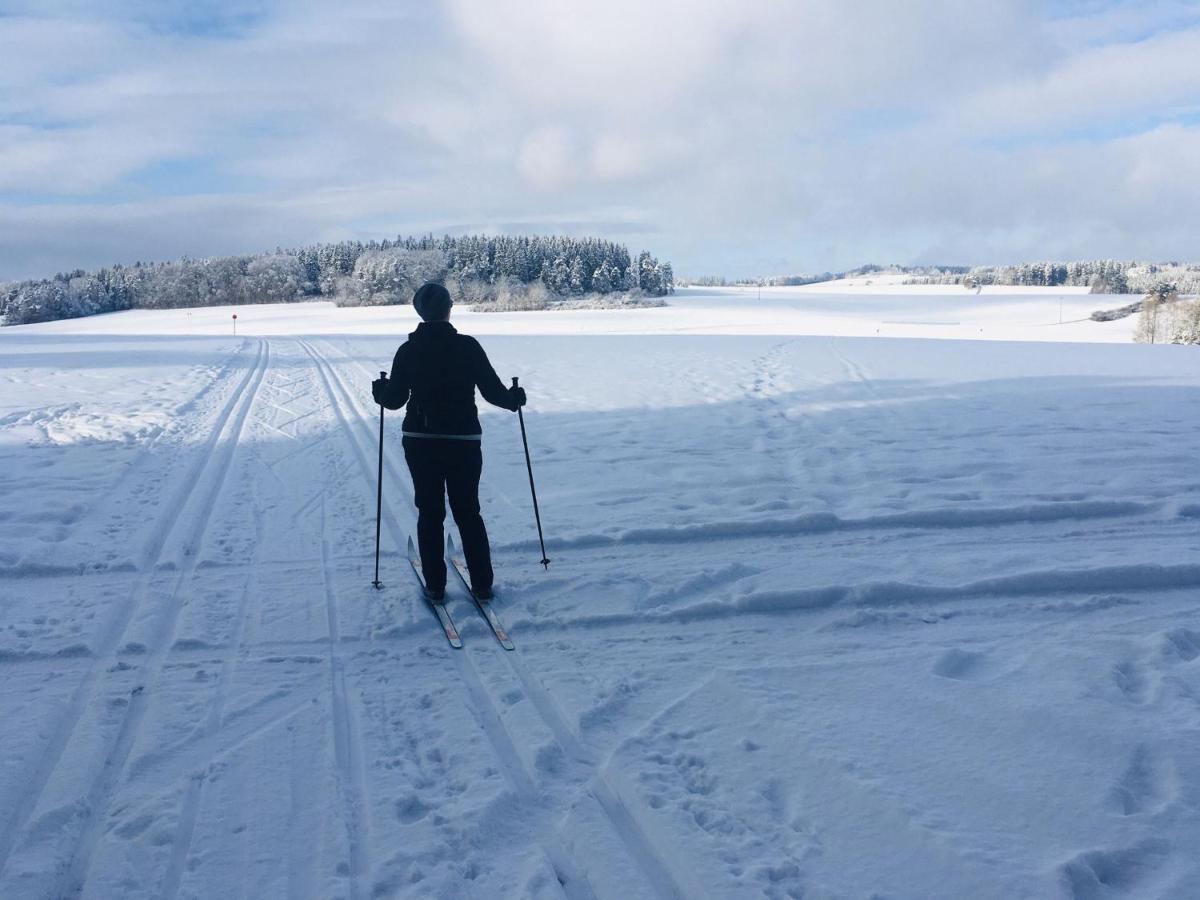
[229,709]
[524,781]
[185,519]
[123,688]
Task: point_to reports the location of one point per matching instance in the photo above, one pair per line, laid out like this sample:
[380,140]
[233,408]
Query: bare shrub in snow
[518,303]
[1149,322]
[1185,323]
[1121,312]
[502,294]
[1162,316]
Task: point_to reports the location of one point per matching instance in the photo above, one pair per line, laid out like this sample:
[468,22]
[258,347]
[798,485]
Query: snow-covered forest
[934,274]
[1103,276]
[509,271]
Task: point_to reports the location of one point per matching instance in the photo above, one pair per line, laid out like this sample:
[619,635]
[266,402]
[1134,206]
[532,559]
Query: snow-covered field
[829,614]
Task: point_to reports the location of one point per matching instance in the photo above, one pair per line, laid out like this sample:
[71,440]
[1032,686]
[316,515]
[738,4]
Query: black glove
[518,397]
[379,390]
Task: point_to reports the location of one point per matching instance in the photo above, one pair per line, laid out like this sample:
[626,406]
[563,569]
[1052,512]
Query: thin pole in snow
[532,490]
[379,496]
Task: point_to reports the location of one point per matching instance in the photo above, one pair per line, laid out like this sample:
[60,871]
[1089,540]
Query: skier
[436,372]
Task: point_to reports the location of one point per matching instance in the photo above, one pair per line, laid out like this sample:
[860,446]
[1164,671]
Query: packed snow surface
[835,609]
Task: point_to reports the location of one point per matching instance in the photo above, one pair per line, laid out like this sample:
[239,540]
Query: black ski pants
[441,467]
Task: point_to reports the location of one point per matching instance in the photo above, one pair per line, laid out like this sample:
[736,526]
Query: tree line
[1102,276]
[504,271]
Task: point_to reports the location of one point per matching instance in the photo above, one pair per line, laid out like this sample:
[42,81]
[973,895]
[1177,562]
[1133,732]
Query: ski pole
[379,495]
[532,490]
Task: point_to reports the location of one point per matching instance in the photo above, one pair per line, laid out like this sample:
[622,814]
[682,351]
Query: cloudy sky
[735,137]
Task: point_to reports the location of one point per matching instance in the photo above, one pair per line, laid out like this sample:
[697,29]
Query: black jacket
[436,372]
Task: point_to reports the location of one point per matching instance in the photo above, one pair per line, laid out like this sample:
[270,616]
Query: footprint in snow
[1146,786]
[411,809]
[549,759]
[1182,644]
[960,665]
[1095,874]
[1131,681]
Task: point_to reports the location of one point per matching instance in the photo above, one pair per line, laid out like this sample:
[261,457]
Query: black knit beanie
[431,301]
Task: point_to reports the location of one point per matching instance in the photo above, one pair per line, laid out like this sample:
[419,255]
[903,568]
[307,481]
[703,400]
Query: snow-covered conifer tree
[578,281]
[602,280]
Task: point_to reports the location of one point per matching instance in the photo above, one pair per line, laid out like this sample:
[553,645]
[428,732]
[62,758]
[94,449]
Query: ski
[439,609]
[485,609]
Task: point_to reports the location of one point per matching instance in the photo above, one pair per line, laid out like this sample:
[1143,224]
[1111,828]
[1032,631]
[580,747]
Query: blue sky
[737,138]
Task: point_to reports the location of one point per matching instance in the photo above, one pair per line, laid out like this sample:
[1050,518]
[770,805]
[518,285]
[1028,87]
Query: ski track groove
[654,870]
[160,432]
[214,719]
[399,476]
[504,745]
[576,887]
[857,374]
[100,796]
[347,739]
[153,551]
[938,519]
[302,816]
[147,446]
[210,750]
[624,822]
[49,758]
[181,846]
[329,378]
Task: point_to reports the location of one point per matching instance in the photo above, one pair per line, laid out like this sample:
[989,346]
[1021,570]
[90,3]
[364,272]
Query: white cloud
[546,158]
[1095,22]
[618,157]
[596,54]
[728,135]
[1096,86]
[73,161]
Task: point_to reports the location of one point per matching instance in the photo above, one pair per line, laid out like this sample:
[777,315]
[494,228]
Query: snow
[846,308]
[838,607]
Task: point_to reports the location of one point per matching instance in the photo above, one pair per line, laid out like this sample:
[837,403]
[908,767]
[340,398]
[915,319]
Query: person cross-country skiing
[435,372]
